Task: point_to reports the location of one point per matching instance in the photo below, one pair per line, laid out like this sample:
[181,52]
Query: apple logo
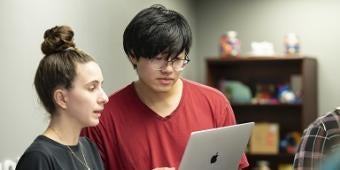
[214,158]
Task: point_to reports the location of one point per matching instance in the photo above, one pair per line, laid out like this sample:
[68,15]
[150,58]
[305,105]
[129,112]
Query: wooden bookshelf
[276,70]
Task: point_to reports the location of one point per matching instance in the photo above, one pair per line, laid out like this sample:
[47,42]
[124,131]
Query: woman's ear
[60,98]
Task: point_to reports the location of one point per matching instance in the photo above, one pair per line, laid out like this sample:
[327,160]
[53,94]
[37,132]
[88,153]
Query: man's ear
[60,98]
[133,59]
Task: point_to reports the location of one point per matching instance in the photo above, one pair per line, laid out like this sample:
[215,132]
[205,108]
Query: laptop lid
[217,148]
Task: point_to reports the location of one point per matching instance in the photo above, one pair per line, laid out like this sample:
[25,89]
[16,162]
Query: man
[147,124]
[319,140]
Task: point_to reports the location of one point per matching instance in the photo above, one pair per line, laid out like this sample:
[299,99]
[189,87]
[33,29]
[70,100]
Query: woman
[69,84]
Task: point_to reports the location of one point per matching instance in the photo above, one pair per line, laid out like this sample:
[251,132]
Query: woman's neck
[63,131]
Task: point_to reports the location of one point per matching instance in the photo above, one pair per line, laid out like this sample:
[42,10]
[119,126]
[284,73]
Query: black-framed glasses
[178,64]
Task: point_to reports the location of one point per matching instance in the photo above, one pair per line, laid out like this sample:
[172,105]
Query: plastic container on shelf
[292,44]
[262,165]
[229,44]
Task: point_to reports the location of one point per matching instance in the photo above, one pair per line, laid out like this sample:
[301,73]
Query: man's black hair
[156,30]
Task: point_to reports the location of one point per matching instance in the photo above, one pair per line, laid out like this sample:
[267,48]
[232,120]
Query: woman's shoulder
[41,144]
[37,155]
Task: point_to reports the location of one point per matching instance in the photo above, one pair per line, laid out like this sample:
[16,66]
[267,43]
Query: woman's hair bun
[57,39]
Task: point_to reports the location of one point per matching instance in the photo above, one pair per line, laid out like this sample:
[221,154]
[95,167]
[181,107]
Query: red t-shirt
[131,136]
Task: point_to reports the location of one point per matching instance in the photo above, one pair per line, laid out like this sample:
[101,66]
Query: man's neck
[162,103]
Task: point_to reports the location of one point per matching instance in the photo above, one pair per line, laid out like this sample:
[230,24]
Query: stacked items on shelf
[260,93]
[278,93]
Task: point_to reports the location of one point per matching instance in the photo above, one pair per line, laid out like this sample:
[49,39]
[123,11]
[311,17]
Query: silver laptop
[216,149]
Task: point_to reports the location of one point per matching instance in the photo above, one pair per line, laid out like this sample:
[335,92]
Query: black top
[47,154]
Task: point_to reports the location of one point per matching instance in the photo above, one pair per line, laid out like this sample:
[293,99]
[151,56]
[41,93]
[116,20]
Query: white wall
[98,27]
[316,22]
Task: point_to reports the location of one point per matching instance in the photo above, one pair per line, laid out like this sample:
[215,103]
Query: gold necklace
[74,154]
